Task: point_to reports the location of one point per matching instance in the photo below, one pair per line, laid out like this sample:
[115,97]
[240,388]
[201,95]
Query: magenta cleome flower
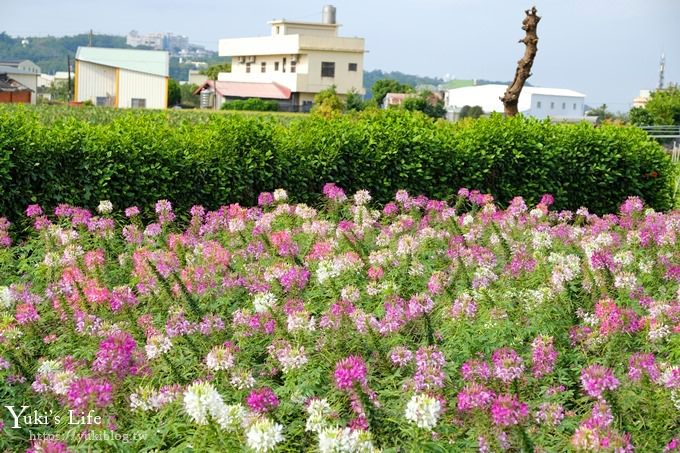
[596,379]
[543,356]
[86,393]
[507,410]
[350,370]
[262,400]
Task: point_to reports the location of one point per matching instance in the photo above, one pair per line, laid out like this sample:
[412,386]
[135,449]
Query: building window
[327,69]
[263,67]
[138,103]
[552,105]
[352,67]
[278,30]
[293,64]
[248,67]
[102,101]
[276,66]
[538,104]
[564,105]
[574,105]
[283,66]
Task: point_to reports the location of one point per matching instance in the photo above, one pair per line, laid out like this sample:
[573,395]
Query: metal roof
[248,90]
[8,84]
[13,70]
[154,62]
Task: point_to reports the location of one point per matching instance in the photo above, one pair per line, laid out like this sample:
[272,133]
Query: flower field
[420,326]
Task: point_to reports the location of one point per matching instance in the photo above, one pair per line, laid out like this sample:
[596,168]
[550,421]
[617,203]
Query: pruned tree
[523,72]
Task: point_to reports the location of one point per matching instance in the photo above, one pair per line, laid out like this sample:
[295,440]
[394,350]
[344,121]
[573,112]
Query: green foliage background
[137,157]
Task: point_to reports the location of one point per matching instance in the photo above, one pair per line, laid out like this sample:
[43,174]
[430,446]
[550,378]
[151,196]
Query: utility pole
[662,68]
[90,40]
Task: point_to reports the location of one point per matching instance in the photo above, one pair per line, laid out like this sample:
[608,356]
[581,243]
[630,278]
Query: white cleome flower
[157,345]
[220,358]
[280,195]
[105,207]
[6,298]
[341,440]
[263,301]
[423,410]
[318,411]
[201,399]
[263,435]
[229,417]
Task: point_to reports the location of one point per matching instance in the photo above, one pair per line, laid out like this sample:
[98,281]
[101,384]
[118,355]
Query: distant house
[230,91]
[13,92]
[24,65]
[555,103]
[21,84]
[394,99]
[397,99]
[299,58]
[124,78]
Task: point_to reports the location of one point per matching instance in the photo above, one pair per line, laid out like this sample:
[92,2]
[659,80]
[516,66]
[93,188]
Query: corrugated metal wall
[138,85]
[95,81]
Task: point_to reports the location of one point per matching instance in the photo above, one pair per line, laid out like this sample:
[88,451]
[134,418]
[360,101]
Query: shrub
[254,104]
[133,157]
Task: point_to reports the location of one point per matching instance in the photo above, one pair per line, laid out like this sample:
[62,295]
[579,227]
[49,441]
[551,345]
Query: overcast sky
[607,49]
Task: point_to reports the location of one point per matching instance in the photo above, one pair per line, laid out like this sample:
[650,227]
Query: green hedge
[255,104]
[139,157]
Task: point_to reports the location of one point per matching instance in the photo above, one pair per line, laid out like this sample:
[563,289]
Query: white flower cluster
[157,345]
[52,377]
[345,440]
[147,399]
[264,301]
[541,239]
[423,410]
[362,197]
[105,207]
[6,298]
[334,267]
[333,439]
[301,321]
[263,435]
[202,400]
[242,379]
[220,358]
[280,195]
[565,269]
[675,397]
[318,412]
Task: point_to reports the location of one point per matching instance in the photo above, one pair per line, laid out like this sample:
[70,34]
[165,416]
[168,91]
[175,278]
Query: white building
[302,57]
[122,77]
[27,79]
[539,102]
[24,65]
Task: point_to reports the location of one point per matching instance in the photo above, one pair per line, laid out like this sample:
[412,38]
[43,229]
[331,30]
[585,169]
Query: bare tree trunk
[523,72]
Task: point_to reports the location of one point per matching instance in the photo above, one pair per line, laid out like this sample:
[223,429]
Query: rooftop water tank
[328,14]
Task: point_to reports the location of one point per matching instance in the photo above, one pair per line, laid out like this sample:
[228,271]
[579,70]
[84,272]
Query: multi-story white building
[293,64]
[27,81]
[556,103]
[123,78]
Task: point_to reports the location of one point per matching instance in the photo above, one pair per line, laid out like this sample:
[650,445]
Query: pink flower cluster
[262,400]
[116,355]
[507,410]
[429,369]
[596,379]
[86,393]
[543,356]
[349,371]
[507,364]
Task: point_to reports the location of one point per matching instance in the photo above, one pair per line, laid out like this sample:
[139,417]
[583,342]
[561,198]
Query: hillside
[50,52]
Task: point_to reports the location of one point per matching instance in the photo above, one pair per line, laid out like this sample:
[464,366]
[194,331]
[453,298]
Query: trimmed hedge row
[140,157]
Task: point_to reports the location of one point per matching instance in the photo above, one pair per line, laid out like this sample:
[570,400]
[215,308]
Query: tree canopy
[663,108]
[384,86]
